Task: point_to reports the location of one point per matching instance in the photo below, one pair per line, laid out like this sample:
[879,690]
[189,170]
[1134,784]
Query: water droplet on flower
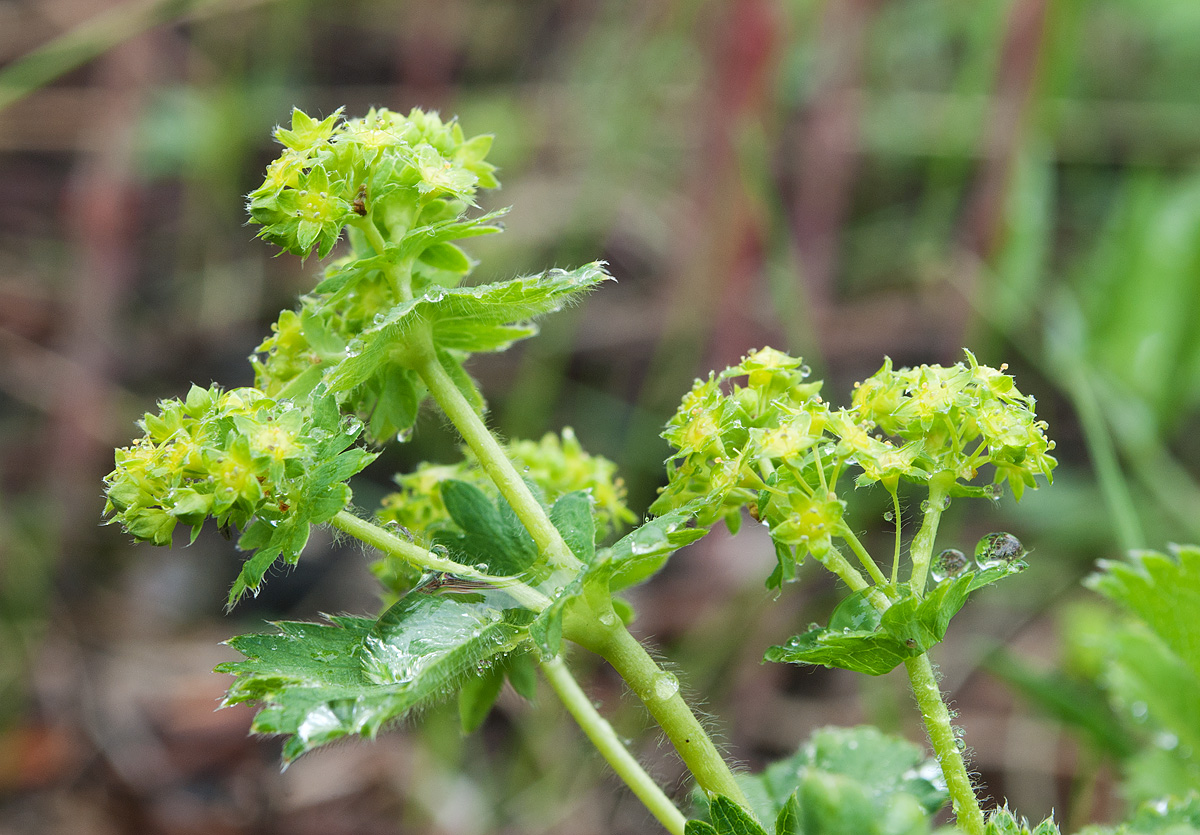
[665,686]
[998,549]
[949,563]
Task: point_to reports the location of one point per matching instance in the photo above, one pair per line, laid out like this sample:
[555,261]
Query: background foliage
[843,179]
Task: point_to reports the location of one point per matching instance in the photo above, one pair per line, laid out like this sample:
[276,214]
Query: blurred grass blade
[96,36]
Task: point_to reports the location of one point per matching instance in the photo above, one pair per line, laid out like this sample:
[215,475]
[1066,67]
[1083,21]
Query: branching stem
[384,540]
[659,690]
[602,735]
[493,460]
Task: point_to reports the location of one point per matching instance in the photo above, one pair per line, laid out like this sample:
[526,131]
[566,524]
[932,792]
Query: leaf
[728,818]
[1163,592]
[861,639]
[445,256]
[643,551]
[459,312]
[489,533]
[572,515]
[477,696]
[788,820]
[856,780]
[321,682]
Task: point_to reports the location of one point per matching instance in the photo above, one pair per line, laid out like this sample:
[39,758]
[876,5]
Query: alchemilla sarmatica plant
[491,566]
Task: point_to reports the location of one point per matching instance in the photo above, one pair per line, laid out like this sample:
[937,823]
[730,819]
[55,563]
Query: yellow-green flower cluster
[234,455]
[955,420]
[400,170]
[557,465]
[772,444]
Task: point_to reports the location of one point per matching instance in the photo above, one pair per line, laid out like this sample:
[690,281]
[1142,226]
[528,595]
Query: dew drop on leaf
[998,549]
[949,563]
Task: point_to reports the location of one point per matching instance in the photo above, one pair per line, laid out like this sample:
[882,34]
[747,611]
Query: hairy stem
[945,745]
[659,691]
[387,542]
[602,735]
[865,558]
[495,463]
[921,549]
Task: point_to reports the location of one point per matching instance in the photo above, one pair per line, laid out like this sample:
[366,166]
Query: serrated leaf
[456,310]
[643,551]
[488,533]
[321,682]
[861,639]
[1163,592]
[892,781]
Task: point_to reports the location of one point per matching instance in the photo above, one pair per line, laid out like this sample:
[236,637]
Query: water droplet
[352,425]
[440,551]
[665,686]
[805,371]
[481,567]
[925,506]
[998,549]
[1139,711]
[949,563]
[994,492]
[945,502]
[404,435]
[607,619]
[889,516]
[960,744]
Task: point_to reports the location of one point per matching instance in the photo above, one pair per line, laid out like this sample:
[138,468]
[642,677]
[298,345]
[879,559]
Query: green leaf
[457,312]
[477,696]
[728,818]
[861,639]
[843,780]
[572,515]
[1163,592]
[444,256]
[321,682]
[788,820]
[643,551]
[489,533]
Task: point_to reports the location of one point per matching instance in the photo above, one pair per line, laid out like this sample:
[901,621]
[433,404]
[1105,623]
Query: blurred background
[845,179]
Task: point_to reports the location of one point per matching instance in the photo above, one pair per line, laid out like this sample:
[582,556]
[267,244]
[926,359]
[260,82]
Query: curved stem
[945,745]
[602,735]
[659,691]
[387,542]
[492,458]
[898,515]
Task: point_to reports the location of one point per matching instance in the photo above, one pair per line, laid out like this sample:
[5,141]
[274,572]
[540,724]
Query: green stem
[602,735]
[865,558]
[399,274]
[492,458]
[384,540]
[921,549]
[833,560]
[898,515]
[659,691]
[945,744]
